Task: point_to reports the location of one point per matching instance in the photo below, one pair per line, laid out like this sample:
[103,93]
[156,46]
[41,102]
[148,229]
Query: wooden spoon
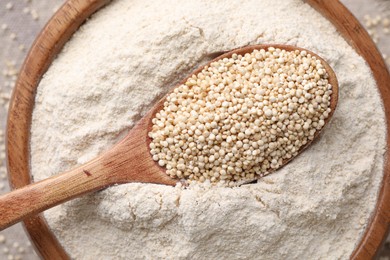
[128,161]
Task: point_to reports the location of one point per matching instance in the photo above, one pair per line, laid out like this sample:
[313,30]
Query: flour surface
[130,53]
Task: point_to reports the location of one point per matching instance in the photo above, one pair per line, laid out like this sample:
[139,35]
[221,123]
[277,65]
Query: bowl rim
[59,30]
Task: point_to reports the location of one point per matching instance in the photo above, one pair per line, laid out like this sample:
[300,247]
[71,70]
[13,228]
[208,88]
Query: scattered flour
[130,53]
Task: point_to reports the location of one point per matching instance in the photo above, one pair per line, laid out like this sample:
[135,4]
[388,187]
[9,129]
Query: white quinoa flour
[132,51]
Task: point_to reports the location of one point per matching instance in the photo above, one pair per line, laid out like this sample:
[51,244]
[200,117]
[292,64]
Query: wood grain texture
[128,161]
[357,37]
[59,30]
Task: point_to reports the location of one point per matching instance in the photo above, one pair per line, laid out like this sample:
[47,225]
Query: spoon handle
[39,196]
[128,161]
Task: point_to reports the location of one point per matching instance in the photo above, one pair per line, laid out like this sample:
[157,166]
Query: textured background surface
[21,21]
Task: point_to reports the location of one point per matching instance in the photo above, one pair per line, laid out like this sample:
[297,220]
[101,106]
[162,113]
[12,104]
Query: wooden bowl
[66,21]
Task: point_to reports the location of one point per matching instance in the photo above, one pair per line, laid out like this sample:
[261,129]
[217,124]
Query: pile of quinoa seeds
[241,117]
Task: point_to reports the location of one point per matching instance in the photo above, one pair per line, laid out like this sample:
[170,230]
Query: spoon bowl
[128,161]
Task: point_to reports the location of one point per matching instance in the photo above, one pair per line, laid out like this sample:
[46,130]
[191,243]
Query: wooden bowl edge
[44,49]
[346,23]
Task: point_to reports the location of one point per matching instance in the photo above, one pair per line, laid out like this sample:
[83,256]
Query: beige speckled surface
[21,21]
